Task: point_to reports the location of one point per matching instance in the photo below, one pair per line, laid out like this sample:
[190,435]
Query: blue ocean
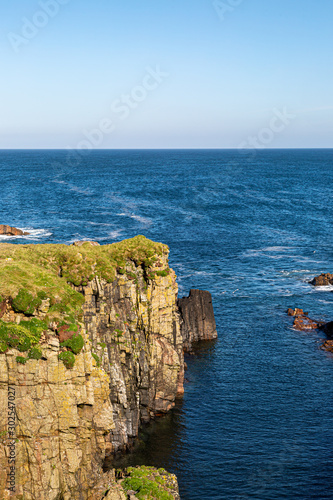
[256,420]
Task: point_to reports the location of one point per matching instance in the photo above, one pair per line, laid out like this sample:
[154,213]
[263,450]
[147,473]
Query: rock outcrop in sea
[11,231]
[197,318]
[302,322]
[91,347]
[323,280]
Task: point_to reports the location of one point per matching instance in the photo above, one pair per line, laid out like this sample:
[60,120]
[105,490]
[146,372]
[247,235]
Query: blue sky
[166,74]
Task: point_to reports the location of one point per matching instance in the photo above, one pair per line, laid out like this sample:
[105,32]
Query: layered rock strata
[197,318]
[90,348]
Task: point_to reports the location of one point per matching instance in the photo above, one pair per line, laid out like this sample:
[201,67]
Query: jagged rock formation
[90,347]
[323,280]
[11,231]
[198,321]
[303,323]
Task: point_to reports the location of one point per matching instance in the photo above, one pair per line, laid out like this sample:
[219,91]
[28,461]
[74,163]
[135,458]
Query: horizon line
[88,151]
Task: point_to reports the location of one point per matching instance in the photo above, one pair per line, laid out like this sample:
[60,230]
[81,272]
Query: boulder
[323,280]
[11,231]
[296,312]
[198,321]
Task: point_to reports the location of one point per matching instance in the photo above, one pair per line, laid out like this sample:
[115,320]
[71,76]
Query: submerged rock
[197,318]
[11,231]
[324,279]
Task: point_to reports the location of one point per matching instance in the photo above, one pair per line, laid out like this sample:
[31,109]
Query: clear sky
[166,73]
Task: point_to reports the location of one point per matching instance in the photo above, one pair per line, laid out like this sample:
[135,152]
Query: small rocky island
[92,343]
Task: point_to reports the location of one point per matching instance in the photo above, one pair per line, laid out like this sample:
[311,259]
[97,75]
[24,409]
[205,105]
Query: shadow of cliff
[158,444]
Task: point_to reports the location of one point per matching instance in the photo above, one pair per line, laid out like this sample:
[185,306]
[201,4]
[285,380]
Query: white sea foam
[99,223]
[34,234]
[326,288]
[277,249]
[139,218]
[115,234]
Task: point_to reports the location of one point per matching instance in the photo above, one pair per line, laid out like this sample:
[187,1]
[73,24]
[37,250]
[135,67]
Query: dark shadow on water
[158,443]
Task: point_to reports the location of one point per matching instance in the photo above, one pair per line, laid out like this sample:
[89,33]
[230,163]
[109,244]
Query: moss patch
[149,483]
[75,344]
[21,360]
[68,359]
[21,336]
[35,353]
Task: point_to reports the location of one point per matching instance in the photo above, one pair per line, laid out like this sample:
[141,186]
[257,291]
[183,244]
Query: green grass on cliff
[22,337]
[32,273]
[148,483]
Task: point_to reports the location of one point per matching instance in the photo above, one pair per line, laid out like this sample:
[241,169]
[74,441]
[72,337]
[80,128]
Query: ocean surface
[256,421]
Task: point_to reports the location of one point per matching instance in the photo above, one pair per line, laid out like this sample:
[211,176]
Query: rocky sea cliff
[92,344]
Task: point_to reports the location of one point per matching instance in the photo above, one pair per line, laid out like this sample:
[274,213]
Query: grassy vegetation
[148,483]
[35,353]
[22,336]
[31,274]
[96,358]
[75,344]
[67,358]
[21,360]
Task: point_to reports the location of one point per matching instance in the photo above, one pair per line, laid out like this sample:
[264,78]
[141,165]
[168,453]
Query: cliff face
[133,324]
[90,347]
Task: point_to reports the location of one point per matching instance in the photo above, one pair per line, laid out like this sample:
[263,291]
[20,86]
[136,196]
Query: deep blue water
[256,421]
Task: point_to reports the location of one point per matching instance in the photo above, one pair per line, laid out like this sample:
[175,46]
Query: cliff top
[30,274]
